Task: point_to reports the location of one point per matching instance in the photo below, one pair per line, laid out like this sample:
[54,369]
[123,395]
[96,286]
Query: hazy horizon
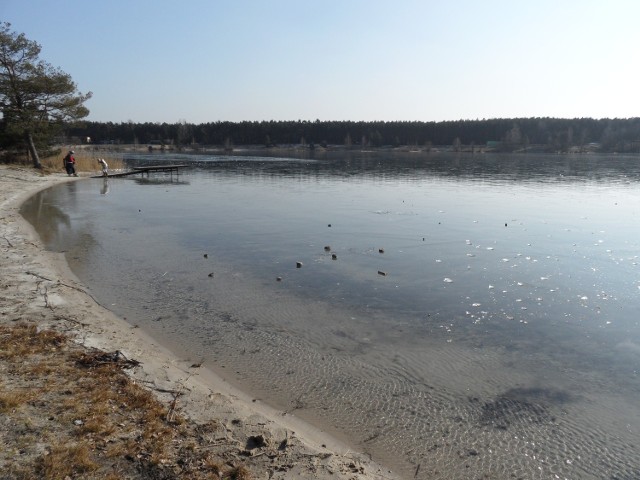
[206,61]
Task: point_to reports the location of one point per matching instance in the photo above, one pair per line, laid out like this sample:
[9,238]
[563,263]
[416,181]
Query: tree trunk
[32,150]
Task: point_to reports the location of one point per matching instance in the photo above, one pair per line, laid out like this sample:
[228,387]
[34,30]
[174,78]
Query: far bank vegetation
[549,135]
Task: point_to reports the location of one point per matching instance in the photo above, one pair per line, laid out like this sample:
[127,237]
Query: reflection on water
[50,217]
[502,340]
[161,180]
[104,190]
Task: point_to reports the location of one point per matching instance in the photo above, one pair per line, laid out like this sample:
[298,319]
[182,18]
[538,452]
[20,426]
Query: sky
[200,61]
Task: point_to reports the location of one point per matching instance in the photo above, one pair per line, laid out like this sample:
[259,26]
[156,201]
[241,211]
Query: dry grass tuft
[25,339]
[88,419]
[239,473]
[64,461]
[10,400]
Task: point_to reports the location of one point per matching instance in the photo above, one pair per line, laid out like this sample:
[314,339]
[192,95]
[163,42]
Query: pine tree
[35,97]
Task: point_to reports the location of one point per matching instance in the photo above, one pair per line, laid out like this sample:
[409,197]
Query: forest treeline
[547,134]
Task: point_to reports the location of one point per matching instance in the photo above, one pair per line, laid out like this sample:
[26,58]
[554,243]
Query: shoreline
[39,284]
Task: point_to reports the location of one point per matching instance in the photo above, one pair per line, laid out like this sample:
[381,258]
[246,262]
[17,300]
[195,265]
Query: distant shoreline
[306,149]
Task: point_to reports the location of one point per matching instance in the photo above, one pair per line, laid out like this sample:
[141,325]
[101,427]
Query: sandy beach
[38,288]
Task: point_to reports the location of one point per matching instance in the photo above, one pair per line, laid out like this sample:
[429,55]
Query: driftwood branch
[81,290]
[174,403]
[71,320]
[39,276]
[8,242]
[99,358]
[46,299]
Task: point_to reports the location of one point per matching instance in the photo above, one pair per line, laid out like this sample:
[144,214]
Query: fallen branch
[46,299]
[79,290]
[7,240]
[39,276]
[165,390]
[198,364]
[98,358]
[172,407]
[71,320]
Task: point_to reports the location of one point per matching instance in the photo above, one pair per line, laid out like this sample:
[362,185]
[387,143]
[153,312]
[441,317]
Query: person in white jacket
[105,167]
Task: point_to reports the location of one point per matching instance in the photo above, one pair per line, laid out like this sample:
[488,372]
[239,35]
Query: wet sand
[37,286]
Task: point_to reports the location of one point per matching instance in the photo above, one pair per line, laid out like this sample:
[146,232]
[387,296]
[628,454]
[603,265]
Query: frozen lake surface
[451,315]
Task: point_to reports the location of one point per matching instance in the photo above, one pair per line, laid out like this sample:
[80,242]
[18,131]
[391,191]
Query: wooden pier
[143,170]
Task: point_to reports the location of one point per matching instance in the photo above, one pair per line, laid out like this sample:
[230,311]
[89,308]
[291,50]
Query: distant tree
[35,97]
[183,134]
[457,144]
[376,138]
[512,140]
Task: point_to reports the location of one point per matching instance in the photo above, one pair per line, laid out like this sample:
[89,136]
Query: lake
[453,316]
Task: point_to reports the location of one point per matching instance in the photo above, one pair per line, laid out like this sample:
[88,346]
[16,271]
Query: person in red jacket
[70,164]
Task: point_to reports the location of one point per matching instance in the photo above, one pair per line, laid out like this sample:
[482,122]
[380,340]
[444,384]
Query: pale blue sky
[210,60]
